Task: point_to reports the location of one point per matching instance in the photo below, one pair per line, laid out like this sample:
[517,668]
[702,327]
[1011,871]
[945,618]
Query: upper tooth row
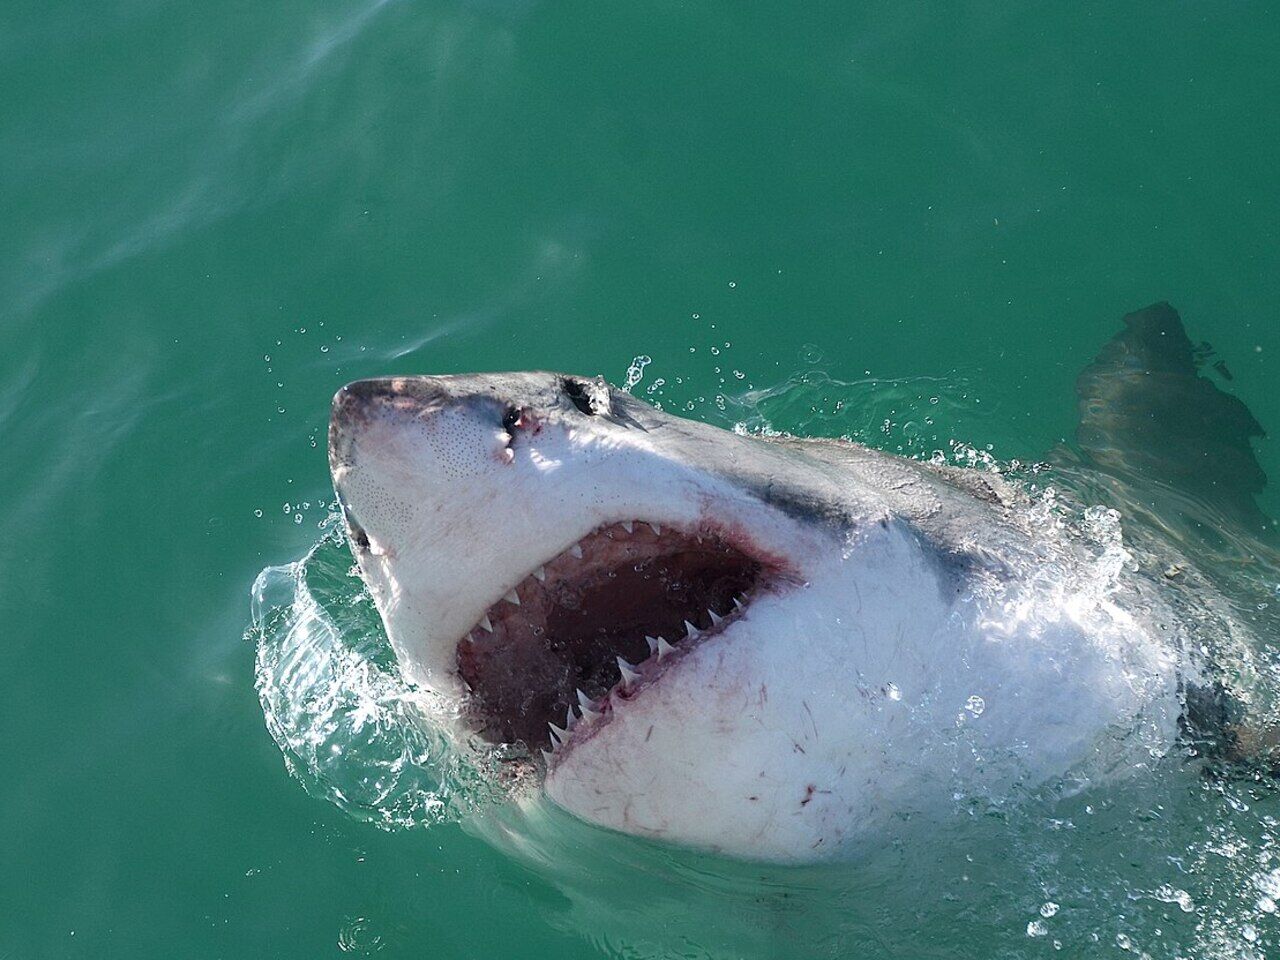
[576,552]
[656,645]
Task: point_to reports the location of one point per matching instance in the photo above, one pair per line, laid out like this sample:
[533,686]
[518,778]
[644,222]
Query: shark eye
[585,396]
[511,420]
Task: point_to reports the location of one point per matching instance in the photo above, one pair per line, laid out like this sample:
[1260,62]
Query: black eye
[583,396]
[511,420]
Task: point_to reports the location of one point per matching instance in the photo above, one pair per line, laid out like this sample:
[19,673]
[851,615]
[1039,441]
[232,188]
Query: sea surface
[907,224]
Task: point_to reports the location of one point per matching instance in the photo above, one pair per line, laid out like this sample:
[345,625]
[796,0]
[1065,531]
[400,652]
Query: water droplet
[1048,909]
[975,705]
[635,372]
[1036,928]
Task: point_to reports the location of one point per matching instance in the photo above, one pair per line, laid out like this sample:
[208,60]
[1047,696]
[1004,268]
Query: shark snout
[362,403]
[360,400]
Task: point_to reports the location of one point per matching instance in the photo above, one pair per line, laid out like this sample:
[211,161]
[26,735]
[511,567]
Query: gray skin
[448,509]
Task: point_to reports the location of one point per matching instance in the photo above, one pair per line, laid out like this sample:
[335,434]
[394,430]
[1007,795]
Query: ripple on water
[359,936]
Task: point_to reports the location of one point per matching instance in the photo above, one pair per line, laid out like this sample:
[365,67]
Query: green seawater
[904,223]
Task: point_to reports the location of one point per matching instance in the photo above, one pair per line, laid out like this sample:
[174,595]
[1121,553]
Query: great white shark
[770,647]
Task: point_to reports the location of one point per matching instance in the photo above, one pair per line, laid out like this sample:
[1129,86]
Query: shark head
[693,635]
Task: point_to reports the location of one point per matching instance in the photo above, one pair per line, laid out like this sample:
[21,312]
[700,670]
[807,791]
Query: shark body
[763,647]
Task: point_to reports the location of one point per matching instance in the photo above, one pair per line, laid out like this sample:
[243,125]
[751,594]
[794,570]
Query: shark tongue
[597,619]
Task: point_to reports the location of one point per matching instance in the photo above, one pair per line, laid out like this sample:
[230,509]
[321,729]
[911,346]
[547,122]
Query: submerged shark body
[767,648]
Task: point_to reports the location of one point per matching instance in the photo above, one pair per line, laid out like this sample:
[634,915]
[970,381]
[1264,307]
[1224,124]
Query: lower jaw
[583,637]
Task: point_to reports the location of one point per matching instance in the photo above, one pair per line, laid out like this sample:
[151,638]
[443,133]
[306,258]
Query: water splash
[351,730]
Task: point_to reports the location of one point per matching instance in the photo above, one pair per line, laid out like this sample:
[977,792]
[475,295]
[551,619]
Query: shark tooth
[715,617]
[576,551]
[541,573]
[664,648]
[486,623]
[629,675]
[558,734]
[547,755]
[690,629]
[628,526]
[588,707]
[570,718]
[653,645]
[737,602]
[656,529]
[512,597]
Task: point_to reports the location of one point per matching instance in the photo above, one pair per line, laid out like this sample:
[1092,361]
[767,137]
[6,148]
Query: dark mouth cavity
[584,634]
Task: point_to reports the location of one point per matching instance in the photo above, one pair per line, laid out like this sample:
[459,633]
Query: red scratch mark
[811,720]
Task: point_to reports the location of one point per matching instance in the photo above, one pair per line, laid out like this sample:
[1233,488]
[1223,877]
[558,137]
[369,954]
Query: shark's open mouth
[591,627]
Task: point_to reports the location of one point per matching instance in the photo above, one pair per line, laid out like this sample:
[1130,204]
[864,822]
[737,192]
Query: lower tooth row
[588,709]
